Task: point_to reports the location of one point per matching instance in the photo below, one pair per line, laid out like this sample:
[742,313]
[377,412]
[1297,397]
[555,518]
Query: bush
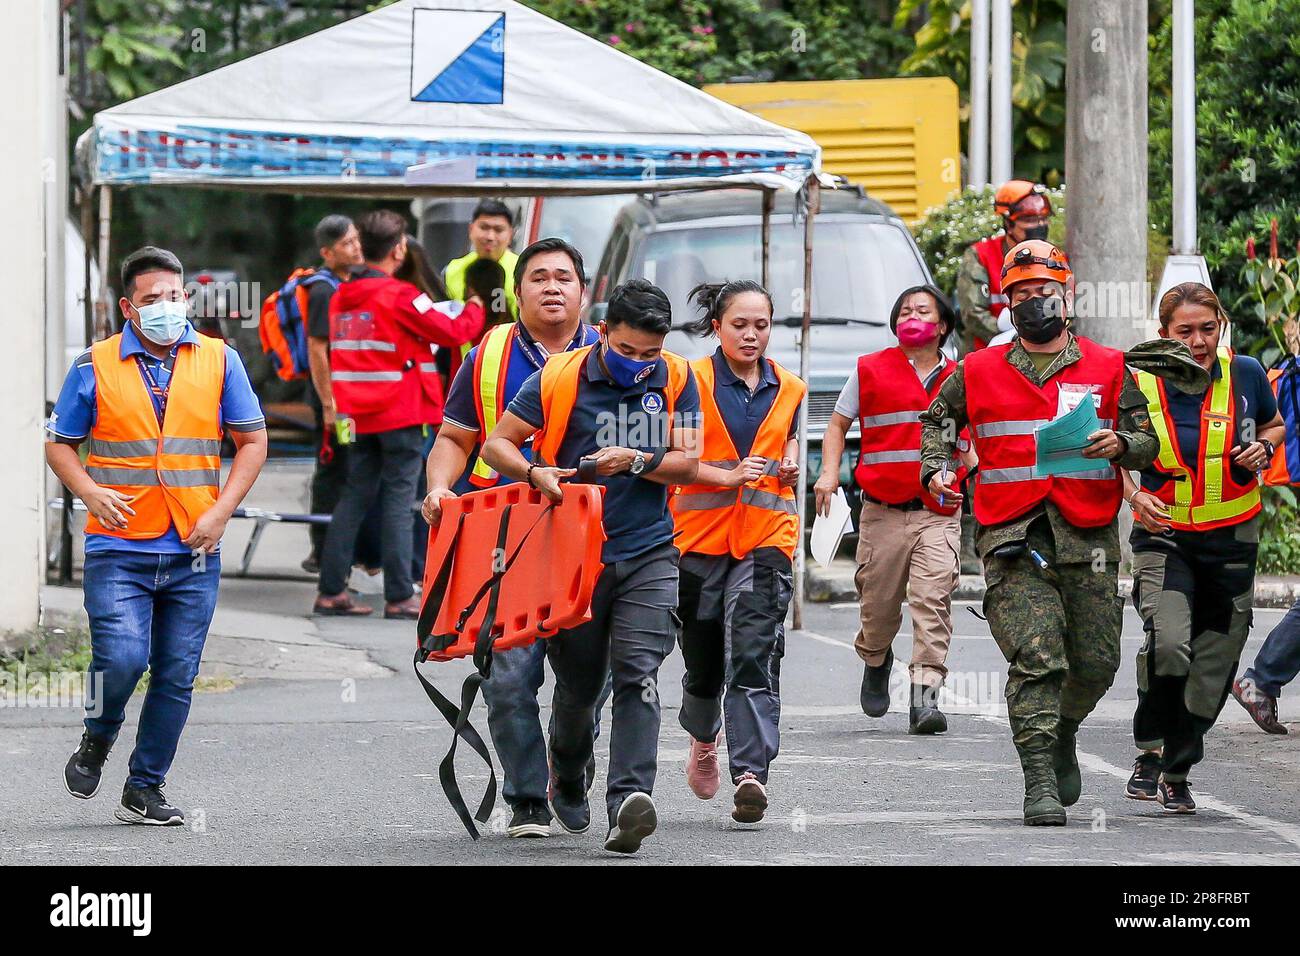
[1279,532]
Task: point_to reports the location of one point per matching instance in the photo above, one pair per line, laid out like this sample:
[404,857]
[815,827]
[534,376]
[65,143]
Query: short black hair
[946,314]
[493,207]
[381,230]
[642,305]
[552,244]
[148,259]
[331,229]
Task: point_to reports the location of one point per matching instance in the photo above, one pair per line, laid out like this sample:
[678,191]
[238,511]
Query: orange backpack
[282,327]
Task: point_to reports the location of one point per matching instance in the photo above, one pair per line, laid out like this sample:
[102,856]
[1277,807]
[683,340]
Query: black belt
[916,504]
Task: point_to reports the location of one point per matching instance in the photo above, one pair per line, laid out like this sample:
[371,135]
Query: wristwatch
[638,463]
[1269,449]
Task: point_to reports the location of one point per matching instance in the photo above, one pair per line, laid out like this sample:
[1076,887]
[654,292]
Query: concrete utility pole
[977,141]
[1106,166]
[23,172]
[1002,162]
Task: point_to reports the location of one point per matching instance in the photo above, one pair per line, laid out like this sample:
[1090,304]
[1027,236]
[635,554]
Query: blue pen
[943,477]
[1039,560]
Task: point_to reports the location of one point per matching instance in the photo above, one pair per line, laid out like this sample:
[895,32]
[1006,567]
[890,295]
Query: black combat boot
[1065,762]
[874,695]
[1042,800]
[924,716]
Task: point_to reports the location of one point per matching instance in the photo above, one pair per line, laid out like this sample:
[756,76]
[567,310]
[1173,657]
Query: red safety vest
[890,401]
[713,520]
[384,375]
[1003,407]
[991,253]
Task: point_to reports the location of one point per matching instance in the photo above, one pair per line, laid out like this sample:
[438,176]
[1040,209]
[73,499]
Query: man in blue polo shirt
[633,409]
[153,401]
[549,279]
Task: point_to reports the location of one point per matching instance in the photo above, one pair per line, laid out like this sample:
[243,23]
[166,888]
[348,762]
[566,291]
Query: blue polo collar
[131,344]
[725,376]
[658,377]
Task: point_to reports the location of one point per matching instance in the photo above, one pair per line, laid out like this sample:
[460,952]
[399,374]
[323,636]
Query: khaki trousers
[912,556]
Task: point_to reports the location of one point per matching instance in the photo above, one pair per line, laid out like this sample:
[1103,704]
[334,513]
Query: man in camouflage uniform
[1051,595]
[1026,214]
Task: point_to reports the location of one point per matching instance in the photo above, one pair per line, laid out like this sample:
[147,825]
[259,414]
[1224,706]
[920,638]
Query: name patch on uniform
[652,402]
[1071,394]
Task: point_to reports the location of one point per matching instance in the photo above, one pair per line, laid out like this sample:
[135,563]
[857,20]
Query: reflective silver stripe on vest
[723,463]
[1104,474]
[885,457]
[994,476]
[757,498]
[1003,429]
[122,476]
[191,477]
[893,418]
[364,345]
[191,446]
[133,448]
[366,376]
[705,500]
[772,467]
[428,366]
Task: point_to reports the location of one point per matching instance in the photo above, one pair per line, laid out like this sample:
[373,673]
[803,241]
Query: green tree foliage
[942,47]
[1247,139]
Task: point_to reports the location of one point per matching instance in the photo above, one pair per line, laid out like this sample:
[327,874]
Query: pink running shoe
[751,799]
[702,769]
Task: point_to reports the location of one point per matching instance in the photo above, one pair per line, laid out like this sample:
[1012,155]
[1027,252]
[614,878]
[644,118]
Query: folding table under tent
[447,98]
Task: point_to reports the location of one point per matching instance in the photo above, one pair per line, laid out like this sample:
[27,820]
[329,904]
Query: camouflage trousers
[1060,633]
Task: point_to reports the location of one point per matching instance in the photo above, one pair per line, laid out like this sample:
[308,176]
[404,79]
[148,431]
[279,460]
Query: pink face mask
[914,332]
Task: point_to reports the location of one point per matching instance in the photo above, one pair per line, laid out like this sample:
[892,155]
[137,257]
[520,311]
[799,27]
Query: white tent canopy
[482,95]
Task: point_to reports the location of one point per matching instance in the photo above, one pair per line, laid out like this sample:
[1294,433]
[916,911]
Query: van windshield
[859,268]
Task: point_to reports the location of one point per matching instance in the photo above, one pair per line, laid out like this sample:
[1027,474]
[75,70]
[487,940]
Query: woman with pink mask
[908,541]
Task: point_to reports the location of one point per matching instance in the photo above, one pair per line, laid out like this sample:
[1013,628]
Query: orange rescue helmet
[1036,259]
[1019,197]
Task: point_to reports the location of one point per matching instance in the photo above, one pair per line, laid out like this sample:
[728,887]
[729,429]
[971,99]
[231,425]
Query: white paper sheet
[827,532]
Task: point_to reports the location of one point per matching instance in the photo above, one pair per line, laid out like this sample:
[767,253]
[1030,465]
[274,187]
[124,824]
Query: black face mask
[1036,232]
[1039,320]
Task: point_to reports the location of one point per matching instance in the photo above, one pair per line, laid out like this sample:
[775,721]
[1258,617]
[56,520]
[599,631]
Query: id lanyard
[157,393]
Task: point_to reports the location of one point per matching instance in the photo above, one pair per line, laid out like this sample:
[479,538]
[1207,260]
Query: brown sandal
[340,605]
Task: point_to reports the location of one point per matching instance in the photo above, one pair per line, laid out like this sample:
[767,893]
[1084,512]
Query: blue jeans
[148,610]
[1278,661]
[513,721]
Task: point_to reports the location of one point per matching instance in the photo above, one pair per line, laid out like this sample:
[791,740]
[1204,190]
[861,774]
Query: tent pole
[103,327]
[805,357]
[769,200]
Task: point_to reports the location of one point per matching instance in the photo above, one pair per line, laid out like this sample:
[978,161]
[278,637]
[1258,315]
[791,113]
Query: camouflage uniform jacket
[973,301]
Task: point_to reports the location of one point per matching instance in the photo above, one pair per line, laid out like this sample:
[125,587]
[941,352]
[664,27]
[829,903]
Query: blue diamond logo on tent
[458,56]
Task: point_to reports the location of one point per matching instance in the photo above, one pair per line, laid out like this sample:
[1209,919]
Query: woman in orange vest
[908,541]
[1195,542]
[737,527]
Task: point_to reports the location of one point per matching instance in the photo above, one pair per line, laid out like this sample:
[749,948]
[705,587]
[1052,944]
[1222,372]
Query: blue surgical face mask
[162,322]
[624,371]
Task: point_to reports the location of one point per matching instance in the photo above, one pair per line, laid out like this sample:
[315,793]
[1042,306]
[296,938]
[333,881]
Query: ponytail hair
[714,298]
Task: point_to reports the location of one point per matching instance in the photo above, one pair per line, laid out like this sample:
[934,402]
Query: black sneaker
[531,819]
[874,695]
[1146,772]
[634,822]
[148,805]
[85,767]
[1175,797]
[570,807]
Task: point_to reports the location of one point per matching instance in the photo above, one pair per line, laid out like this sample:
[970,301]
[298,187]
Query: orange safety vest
[1003,407]
[714,520]
[1205,496]
[171,472]
[560,377]
[991,253]
[890,401]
